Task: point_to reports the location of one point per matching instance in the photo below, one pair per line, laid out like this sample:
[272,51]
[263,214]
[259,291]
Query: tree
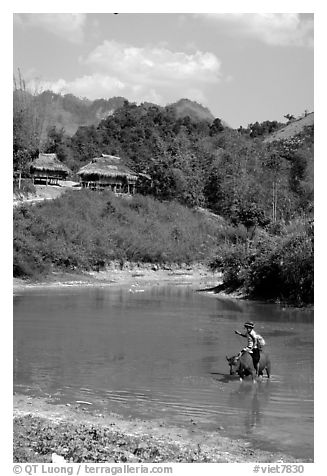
[248,214]
[86,144]
[216,127]
[264,128]
[289,117]
[28,125]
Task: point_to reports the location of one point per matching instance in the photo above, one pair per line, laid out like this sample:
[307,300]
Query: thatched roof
[107,166]
[49,162]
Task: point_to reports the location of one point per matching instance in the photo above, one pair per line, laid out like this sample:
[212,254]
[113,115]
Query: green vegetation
[199,163]
[78,440]
[271,266]
[87,230]
[35,439]
[261,189]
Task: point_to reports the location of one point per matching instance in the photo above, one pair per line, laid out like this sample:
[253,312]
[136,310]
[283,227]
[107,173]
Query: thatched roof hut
[107,166]
[108,171]
[47,167]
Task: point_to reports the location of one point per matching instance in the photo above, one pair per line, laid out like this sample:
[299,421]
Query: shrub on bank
[285,269]
[87,230]
[274,267]
[231,259]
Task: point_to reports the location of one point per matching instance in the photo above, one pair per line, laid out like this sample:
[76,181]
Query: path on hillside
[45,192]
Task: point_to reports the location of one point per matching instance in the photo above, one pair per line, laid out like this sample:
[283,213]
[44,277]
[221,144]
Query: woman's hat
[249,324]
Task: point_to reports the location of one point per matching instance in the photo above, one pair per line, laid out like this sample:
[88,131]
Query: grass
[35,439]
[86,230]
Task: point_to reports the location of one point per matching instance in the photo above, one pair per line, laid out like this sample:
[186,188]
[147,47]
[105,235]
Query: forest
[261,191]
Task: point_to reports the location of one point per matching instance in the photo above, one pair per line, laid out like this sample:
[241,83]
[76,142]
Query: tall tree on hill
[216,127]
[28,125]
[86,145]
[58,143]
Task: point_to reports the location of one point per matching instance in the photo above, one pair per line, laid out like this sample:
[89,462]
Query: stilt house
[47,169]
[108,172]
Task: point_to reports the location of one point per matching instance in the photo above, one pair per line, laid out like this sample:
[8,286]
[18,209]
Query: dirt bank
[80,434]
[137,276]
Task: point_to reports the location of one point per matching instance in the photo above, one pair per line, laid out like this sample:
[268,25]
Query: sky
[244,67]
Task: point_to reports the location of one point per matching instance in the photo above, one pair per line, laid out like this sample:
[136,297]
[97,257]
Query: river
[160,353]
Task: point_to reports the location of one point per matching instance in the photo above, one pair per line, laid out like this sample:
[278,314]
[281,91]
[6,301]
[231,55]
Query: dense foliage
[258,187]
[194,161]
[261,129]
[87,230]
[272,266]
[199,163]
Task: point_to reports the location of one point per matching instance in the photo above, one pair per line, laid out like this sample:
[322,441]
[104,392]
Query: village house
[108,172]
[47,169]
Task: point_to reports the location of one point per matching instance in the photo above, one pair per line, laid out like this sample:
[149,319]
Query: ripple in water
[162,352]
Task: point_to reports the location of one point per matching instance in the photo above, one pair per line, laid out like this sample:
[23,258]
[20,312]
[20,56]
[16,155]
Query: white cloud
[95,86]
[154,65]
[91,86]
[154,74]
[66,25]
[279,29]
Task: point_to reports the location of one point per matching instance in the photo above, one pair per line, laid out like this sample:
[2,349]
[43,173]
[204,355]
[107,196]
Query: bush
[273,267]
[283,269]
[87,230]
[232,260]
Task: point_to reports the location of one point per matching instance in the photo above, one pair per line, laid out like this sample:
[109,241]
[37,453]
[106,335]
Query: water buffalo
[244,365]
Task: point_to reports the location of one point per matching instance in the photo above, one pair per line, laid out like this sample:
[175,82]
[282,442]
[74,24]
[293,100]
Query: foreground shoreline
[80,434]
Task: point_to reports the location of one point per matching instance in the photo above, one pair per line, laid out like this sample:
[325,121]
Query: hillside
[70,112]
[201,165]
[85,230]
[185,107]
[291,129]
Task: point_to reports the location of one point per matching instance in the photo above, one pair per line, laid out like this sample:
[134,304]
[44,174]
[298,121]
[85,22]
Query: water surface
[161,353]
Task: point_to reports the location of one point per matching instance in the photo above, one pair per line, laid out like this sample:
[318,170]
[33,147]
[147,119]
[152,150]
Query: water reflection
[251,399]
[223,377]
[162,352]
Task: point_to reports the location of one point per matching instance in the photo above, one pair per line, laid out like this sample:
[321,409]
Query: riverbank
[137,276]
[80,434]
